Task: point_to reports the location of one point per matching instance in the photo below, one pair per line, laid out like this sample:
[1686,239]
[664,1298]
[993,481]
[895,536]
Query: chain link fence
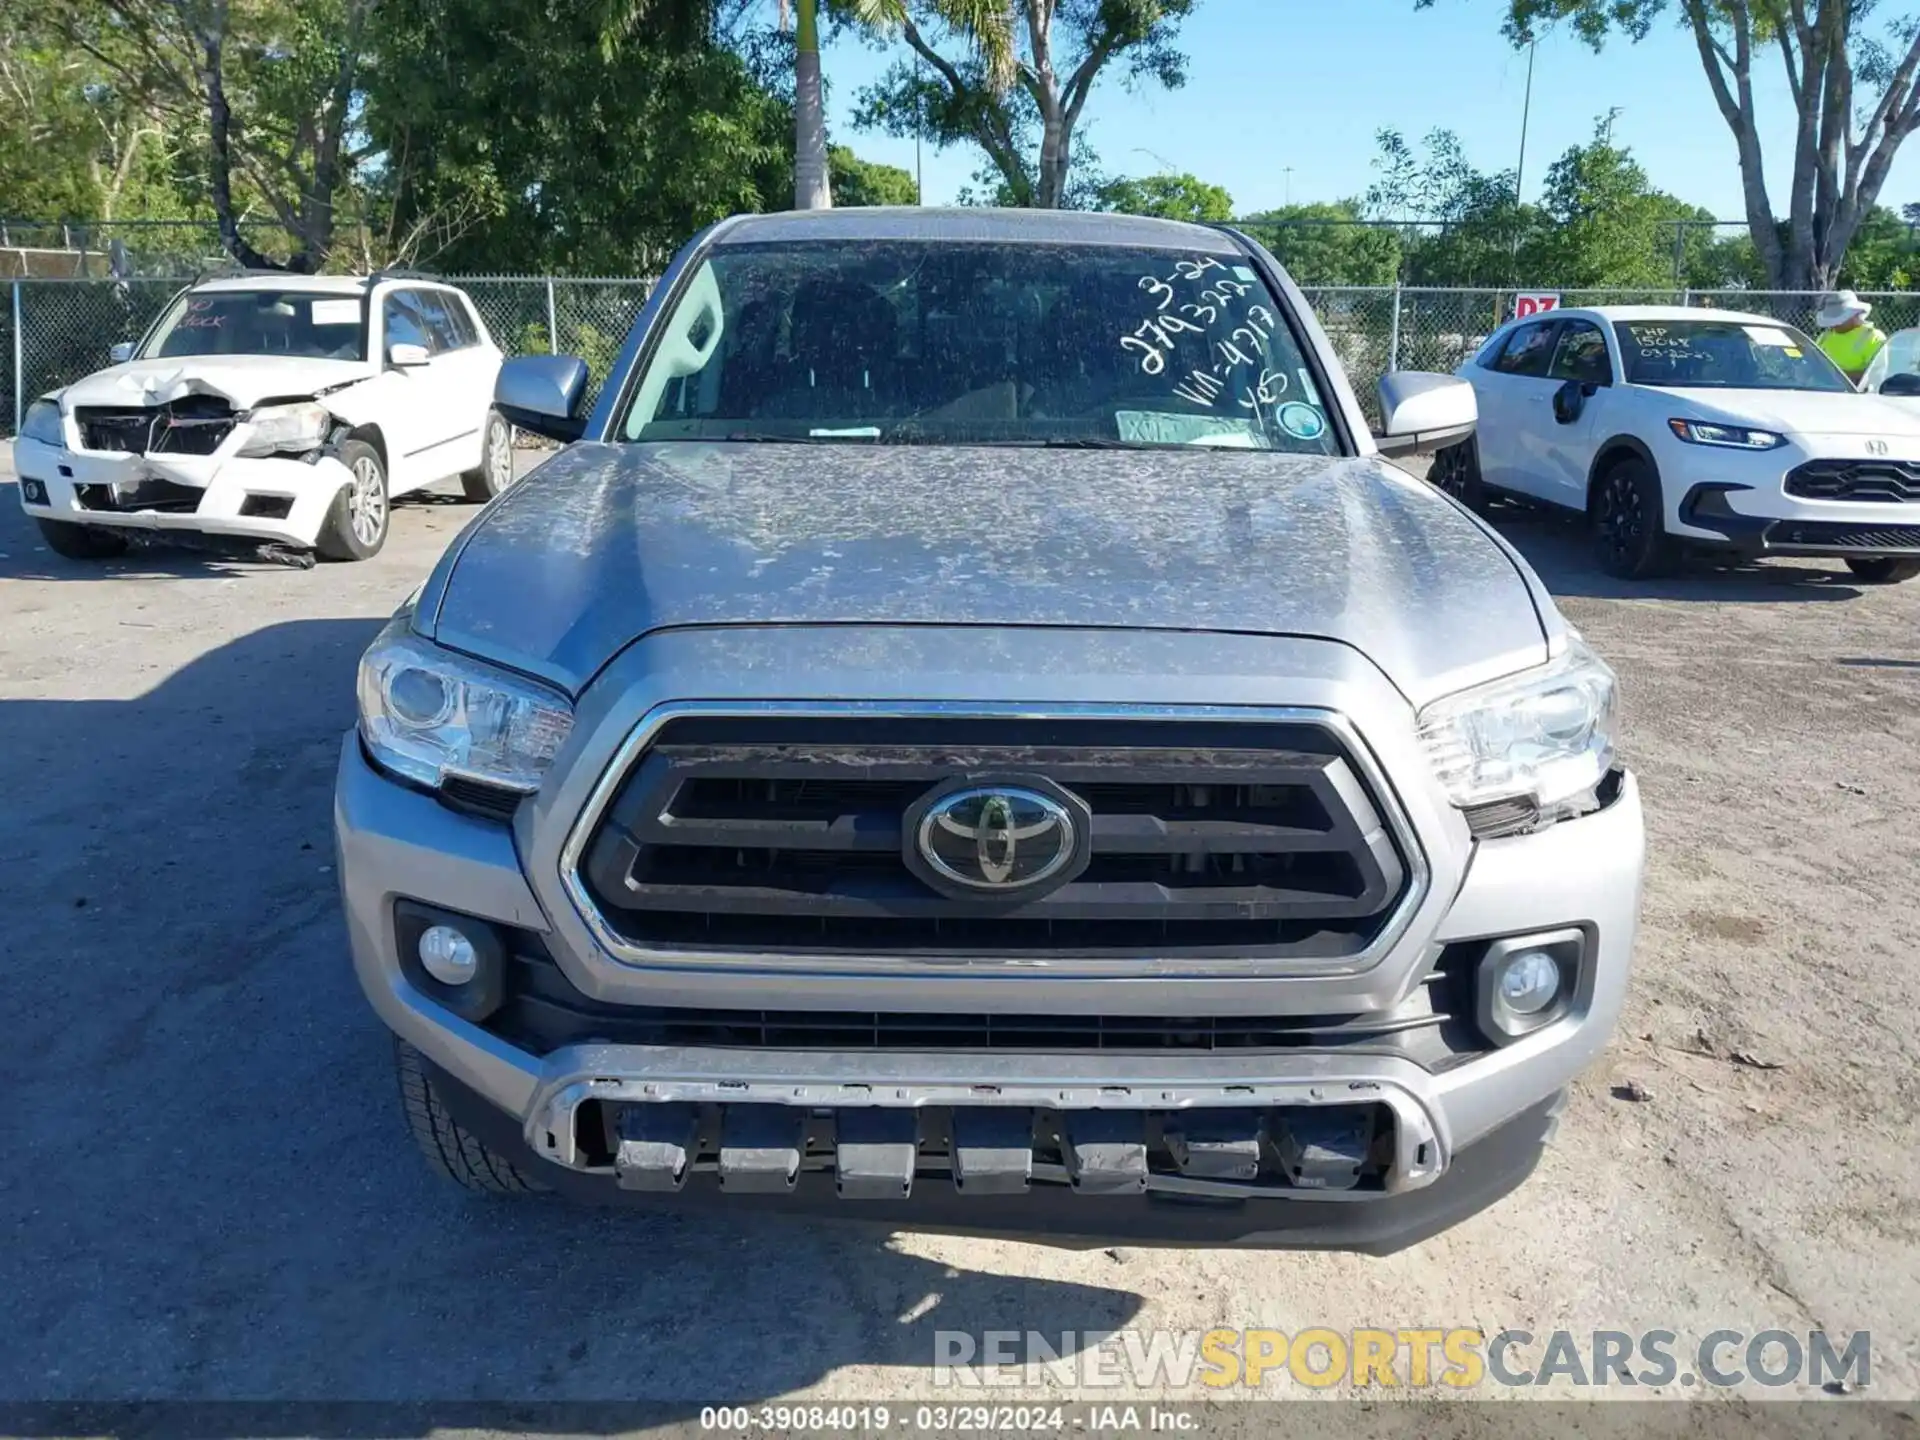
[54,331]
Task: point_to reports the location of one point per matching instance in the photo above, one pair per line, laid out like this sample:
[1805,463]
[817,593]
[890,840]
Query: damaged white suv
[284,409]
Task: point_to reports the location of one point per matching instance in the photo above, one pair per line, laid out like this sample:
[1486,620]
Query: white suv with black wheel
[285,409]
[1673,429]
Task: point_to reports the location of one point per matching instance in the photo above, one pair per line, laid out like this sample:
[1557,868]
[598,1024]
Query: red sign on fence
[1535,302]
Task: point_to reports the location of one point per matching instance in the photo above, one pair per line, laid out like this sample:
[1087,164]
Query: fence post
[1393,332]
[553,325]
[19,369]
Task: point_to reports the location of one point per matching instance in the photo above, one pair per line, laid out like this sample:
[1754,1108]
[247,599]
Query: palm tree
[811,190]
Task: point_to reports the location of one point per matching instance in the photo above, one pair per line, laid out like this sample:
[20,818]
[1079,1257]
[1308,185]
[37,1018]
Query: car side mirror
[407,357]
[1571,399]
[543,393]
[1901,384]
[121,353]
[1422,412]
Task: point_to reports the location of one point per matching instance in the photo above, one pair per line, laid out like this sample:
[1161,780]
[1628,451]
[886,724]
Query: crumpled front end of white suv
[186,457]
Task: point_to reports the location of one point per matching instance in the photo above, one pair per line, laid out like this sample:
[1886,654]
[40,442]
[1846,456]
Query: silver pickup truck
[970,733]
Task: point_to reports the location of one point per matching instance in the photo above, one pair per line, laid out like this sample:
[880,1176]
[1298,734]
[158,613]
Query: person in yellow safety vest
[1846,338]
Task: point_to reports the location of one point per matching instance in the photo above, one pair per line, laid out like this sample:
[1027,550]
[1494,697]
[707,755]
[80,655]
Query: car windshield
[261,322]
[907,342]
[1724,355]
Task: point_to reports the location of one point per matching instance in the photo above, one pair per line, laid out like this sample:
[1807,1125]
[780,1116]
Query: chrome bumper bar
[619,1075]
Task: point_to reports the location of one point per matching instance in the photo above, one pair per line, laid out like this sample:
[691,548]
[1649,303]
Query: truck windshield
[908,342]
[1724,355]
[261,322]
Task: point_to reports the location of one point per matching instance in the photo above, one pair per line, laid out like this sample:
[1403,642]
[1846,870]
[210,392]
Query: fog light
[34,491]
[1529,982]
[447,955]
[1525,982]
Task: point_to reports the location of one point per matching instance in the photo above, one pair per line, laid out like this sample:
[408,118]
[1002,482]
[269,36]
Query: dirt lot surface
[208,1192]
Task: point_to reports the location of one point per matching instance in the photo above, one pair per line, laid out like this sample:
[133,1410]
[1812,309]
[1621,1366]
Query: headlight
[42,423]
[426,713]
[1544,736]
[1732,437]
[287,427]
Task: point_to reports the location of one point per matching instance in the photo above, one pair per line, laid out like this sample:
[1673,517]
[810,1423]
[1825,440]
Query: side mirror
[1422,412]
[542,393]
[407,357]
[121,353]
[1571,399]
[1903,383]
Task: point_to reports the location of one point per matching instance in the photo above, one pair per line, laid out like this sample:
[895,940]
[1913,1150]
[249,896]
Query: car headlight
[1533,745]
[42,423]
[426,713]
[1731,437]
[297,427]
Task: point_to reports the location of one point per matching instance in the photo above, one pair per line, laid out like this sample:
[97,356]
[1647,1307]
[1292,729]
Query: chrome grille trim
[607,785]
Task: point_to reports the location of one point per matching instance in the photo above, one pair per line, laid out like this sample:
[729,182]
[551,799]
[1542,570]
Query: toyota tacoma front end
[919,756]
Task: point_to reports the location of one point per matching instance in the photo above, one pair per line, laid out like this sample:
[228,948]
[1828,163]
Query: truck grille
[194,425]
[1877,481]
[787,835]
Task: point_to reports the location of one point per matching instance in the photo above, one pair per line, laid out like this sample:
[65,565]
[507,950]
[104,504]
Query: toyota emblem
[997,839]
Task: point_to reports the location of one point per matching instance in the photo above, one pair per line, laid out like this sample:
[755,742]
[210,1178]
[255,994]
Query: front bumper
[1052,1212]
[1755,521]
[1462,1135]
[288,495]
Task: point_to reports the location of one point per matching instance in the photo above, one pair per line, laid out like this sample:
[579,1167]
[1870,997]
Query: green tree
[1013,77]
[865,182]
[1882,256]
[1171,197]
[1852,70]
[270,85]
[591,148]
[1600,223]
[1459,225]
[1606,225]
[73,144]
[1329,244]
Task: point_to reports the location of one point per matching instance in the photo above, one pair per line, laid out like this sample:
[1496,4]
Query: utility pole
[1526,112]
[1520,170]
[1288,172]
[919,127]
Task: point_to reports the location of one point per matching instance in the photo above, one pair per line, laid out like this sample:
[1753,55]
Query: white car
[1674,428]
[288,409]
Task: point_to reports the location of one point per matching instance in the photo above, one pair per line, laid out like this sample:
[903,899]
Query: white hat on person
[1839,308]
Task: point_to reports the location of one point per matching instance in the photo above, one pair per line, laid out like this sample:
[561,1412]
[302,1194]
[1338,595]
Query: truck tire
[80,542]
[496,461]
[450,1149]
[1879,570]
[1629,522]
[357,521]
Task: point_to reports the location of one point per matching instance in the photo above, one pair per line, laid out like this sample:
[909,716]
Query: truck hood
[1802,412]
[242,380]
[606,543]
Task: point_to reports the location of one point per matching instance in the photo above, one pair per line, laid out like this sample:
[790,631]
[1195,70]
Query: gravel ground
[208,1192]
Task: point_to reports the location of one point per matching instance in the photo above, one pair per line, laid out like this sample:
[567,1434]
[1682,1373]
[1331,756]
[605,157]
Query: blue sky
[1304,84]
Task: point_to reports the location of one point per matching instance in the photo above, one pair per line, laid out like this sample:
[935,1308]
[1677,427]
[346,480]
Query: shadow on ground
[209,1192]
[1559,549]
